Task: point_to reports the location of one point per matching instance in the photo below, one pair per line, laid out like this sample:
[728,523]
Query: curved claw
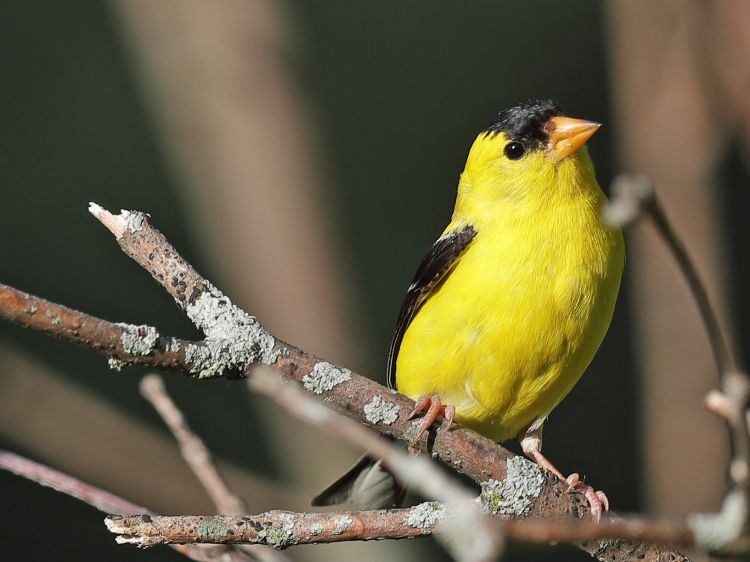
[598,501]
[449,412]
[604,499]
[434,409]
[572,481]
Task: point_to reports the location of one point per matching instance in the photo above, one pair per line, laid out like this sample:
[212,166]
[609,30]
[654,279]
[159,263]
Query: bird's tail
[367,485]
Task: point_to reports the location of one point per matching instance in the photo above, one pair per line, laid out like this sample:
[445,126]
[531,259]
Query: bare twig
[61,482]
[195,453]
[634,197]
[200,461]
[282,529]
[105,501]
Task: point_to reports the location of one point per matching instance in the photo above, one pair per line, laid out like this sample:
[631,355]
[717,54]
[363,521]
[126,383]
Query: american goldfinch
[511,303]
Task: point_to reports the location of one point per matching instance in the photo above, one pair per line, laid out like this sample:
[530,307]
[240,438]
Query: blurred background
[304,156]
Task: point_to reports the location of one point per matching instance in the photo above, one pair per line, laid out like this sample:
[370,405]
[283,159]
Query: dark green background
[399,90]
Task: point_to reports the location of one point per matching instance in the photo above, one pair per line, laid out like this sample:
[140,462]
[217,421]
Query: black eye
[514,150]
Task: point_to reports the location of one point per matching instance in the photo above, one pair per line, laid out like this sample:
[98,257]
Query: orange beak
[566,135]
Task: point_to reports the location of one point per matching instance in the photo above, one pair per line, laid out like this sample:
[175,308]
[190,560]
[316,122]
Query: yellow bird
[510,304]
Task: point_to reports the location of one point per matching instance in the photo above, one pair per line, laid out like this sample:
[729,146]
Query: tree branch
[278,529]
[282,529]
[61,482]
[357,397]
[124,344]
[235,340]
[274,528]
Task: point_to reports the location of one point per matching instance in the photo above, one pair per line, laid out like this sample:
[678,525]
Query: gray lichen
[425,516]
[342,524]
[279,537]
[173,345]
[201,361]
[316,529]
[324,377]
[512,496]
[410,433]
[212,527]
[716,532]
[138,340]
[133,219]
[53,316]
[378,410]
[599,549]
[116,364]
[233,337]
[492,496]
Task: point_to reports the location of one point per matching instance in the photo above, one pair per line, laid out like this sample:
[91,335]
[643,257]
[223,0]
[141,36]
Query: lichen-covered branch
[234,339]
[278,529]
[237,340]
[282,529]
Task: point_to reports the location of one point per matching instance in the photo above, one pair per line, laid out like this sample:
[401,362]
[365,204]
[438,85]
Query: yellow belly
[511,329]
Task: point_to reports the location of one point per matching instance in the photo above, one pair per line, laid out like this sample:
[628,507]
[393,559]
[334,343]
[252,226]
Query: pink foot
[434,410]
[597,499]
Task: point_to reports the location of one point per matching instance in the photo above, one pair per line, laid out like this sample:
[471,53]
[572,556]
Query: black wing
[435,265]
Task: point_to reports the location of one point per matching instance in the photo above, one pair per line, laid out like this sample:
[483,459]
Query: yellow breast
[511,329]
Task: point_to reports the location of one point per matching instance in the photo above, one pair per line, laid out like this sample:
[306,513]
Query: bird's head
[530,152]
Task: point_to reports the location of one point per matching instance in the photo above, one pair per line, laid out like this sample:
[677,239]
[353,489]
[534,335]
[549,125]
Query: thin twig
[199,459]
[633,198]
[61,482]
[105,501]
[193,450]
